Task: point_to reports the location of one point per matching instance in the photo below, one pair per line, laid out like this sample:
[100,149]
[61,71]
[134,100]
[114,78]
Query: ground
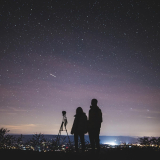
[108,154]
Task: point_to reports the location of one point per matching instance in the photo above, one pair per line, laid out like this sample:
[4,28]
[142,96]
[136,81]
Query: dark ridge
[110,154]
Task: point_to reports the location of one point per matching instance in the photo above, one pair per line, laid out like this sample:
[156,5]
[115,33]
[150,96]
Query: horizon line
[84,135]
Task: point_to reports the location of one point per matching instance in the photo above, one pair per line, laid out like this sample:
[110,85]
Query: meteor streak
[52,75]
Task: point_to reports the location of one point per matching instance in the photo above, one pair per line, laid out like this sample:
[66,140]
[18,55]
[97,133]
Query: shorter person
[79,127]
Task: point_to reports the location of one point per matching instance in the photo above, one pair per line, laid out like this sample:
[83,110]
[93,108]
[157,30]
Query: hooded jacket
[79,124]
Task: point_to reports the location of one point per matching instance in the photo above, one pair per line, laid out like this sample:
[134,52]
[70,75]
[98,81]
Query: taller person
[94,124]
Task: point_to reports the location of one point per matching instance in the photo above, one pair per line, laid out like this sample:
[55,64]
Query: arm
[73,127]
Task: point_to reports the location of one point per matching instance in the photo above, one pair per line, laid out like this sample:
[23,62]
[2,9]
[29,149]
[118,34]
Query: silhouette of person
[94,124]
[79,127]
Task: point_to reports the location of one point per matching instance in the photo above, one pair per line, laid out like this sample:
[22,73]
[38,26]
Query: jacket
[79,124]
[95,118]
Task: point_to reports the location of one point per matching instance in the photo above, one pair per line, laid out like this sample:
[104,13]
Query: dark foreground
[108,154]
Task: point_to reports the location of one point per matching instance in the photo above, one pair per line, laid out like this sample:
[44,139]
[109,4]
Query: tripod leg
[61,128]
[58,137]
[68,138]
[59,134]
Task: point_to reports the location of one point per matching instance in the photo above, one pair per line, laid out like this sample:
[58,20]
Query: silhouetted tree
[3,131]
[144,141]
[123,143]
[53,145]
[18,142]
[158,141]
[5,140]
[37,141]
[153,141]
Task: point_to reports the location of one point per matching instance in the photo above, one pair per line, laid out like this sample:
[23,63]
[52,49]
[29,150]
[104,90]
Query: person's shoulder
[99,109]
[84,114]
[90,109]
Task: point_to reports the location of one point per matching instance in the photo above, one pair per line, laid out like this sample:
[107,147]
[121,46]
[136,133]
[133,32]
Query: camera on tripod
[64,121]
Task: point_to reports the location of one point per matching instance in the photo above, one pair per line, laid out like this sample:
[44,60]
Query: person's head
[79,110]
[94,102]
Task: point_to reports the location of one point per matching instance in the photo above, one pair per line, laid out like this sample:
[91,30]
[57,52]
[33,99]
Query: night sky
[57,55]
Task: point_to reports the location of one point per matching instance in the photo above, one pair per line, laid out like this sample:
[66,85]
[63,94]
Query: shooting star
[52,75]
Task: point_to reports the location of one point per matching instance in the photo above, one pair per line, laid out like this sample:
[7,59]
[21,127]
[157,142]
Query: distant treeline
[40,141]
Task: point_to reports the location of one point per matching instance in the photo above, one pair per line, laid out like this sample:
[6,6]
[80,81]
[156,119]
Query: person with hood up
[94,124]
[79,127]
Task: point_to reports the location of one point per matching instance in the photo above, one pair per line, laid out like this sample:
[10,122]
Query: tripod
[64,123]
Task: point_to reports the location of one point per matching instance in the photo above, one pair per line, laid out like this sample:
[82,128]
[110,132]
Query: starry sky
[57,55]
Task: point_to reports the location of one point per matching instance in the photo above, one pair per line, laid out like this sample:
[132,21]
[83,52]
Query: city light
[111,143]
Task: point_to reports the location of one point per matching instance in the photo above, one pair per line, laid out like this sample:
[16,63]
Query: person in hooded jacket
[94,124]
[79,127]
